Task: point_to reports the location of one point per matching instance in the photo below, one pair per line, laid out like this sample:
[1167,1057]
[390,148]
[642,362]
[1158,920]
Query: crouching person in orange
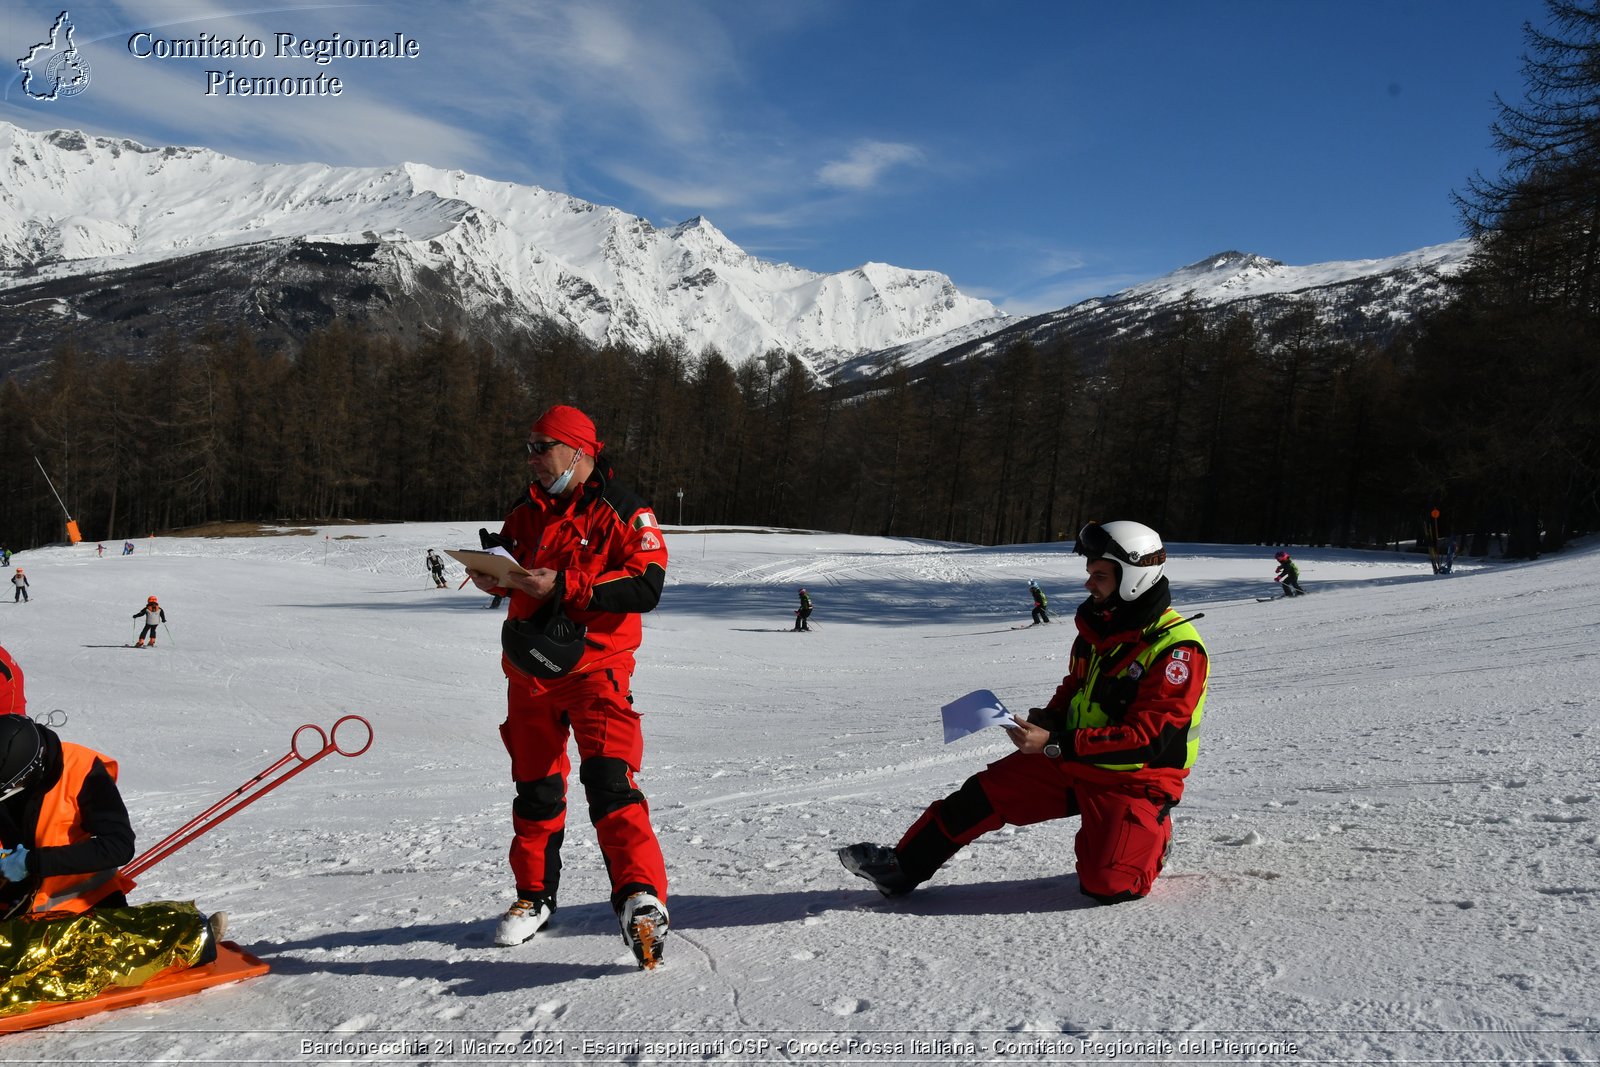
[1112,746]
[67,932]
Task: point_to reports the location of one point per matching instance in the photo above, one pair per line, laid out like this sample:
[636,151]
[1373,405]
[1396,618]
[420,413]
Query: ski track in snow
[1388,849]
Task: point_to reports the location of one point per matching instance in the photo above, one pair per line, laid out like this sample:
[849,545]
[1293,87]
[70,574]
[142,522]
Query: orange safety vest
[61,824]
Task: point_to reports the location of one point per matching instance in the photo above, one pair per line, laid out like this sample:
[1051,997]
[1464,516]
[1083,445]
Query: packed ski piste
[332,748]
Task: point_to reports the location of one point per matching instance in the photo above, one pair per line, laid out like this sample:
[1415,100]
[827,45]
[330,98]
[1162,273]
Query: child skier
[1041,611]
[1288,574]
[436,568]
[803,613]
[20,581]
[152,614]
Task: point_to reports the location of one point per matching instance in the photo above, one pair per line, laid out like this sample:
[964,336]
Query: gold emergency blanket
[75,957]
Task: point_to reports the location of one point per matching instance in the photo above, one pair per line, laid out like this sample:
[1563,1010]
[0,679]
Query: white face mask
[557,487]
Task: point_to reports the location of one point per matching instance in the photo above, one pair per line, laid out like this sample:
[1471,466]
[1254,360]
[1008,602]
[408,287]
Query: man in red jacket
[1112,746]
[595,560]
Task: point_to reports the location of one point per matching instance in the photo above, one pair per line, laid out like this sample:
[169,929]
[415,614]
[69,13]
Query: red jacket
[12,700]
[1130,708]
[607,545]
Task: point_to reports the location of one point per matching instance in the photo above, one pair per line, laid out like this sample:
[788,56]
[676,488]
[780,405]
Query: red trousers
[597,709]
[1122,835]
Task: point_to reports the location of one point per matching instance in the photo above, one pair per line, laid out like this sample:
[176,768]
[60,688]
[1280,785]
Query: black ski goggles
[1096,543]
[19,781]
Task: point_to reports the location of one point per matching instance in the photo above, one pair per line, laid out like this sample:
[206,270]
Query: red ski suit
[607,545]
[1127,719]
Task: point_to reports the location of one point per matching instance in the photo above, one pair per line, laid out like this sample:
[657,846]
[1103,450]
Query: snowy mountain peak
[1227,263]
[1229,276]
[73,206]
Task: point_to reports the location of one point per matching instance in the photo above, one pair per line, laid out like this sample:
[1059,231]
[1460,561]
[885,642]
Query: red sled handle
[253,790]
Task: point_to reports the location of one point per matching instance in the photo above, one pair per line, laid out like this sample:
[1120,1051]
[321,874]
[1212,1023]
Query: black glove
[488,540]
[1050,720]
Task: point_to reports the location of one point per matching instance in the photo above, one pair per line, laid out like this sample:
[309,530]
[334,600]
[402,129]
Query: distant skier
[1449,556]
[20,582]
[5,557]
[100,549]
[436,568]
[1288,574]
[152,614]
[1041,606]
[803,613]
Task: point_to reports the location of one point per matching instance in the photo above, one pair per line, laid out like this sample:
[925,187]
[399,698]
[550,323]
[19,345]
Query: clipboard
[497,562]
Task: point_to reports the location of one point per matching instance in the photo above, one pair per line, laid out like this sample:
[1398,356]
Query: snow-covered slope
[1364,299]
[73,205]
[1387,851]
[1231,276]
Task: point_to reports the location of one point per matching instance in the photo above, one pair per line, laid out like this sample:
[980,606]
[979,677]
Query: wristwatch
[1052,750]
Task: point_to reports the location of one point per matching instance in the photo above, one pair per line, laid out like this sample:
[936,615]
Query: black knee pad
[541,800]
[965,808]
[605,783]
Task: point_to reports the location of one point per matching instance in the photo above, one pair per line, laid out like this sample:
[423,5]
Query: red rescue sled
[233,964]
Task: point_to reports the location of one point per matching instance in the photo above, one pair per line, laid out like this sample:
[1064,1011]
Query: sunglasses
[539,448]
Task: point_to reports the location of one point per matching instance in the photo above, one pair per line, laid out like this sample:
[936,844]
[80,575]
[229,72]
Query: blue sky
[1039,153]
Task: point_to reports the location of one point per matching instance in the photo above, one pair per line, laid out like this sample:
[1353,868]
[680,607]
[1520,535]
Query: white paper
[973,712]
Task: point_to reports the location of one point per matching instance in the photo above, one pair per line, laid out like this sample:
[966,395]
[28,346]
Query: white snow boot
[524,919]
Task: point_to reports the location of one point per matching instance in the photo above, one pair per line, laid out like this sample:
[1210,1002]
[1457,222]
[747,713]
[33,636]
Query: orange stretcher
[233,964]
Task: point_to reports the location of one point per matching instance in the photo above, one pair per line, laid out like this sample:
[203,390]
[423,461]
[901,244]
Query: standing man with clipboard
[591,560]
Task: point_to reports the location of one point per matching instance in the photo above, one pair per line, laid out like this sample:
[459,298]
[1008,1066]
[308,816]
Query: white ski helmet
[1137,551]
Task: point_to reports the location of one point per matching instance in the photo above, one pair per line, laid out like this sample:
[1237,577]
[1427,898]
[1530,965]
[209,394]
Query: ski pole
[167,628]
[263,783]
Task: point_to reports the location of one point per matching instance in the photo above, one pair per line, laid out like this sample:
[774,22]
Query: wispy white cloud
[1052,296]
[866,163]
[378,118]
[691,195]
